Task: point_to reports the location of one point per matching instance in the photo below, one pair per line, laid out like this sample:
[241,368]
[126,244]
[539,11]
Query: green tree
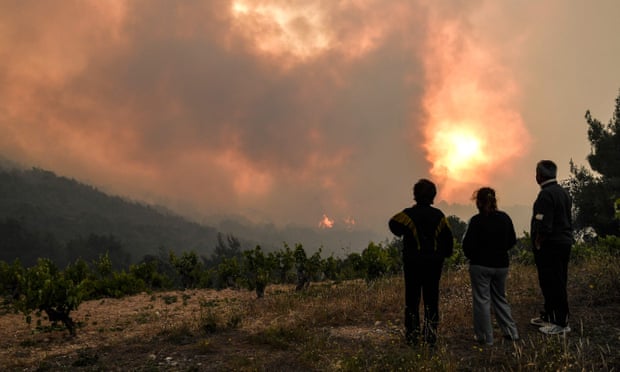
[315,266]
[188,267]
[284,264]
[102,281]
[228,273]
[81,272]
[225,248]
[352,266]
[10,280]
[45,288]
[256,268]
[458,227]
[395,251]
[301,264]
[148,272]
[332,268]
[595,191]
[376,261]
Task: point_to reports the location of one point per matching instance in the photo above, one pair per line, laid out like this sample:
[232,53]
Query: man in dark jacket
[552,238]
[427,241]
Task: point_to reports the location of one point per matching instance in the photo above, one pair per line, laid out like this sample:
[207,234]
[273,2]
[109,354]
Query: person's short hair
[546,169]
[424,191]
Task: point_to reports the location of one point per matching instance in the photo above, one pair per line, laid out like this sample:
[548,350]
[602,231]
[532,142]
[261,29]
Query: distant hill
[46,215]
[37,205]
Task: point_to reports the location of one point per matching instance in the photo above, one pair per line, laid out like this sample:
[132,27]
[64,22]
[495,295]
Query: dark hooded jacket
[425,231]
[551,216]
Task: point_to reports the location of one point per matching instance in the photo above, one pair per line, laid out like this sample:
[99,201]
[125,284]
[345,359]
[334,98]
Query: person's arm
[445,240]
[511,235]
[543,218]
[468,238]
[400,224]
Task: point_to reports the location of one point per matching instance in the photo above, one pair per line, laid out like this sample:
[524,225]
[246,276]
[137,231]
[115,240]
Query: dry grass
[330,327]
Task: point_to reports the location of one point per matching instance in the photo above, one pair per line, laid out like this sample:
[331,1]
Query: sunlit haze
[309,113]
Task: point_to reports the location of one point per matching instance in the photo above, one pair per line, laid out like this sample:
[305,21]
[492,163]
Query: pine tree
[595,191]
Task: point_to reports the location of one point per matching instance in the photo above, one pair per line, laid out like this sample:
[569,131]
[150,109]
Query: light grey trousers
[488,287]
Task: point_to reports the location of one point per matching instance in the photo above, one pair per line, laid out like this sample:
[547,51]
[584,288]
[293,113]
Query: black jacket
[488,238]
[425,232]
[551,216]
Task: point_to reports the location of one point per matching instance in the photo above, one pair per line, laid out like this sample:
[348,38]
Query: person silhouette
[427,241]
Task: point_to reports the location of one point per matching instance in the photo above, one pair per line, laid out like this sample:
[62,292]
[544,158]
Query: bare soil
[167,332]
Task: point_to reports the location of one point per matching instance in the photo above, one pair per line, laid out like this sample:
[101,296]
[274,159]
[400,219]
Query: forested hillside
[44,215]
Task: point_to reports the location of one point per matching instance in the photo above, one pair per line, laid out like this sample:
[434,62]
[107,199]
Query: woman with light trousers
[489,236]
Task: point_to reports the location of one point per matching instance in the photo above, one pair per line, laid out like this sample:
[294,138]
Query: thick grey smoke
[281,111]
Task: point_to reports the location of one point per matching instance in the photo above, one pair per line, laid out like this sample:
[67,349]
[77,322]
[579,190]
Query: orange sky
[304,112]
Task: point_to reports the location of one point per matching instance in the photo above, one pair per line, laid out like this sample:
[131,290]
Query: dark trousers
[422,281]
[552,265]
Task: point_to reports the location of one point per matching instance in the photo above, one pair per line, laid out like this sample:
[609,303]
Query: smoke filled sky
[311,112]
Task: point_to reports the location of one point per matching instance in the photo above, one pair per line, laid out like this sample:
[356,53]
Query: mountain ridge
[66,209]
[54,211]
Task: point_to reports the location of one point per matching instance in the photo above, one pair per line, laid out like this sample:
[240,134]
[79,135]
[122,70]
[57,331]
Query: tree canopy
[596,191]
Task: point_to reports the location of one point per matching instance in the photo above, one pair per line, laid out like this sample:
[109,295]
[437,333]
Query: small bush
[169,299]
[208,321]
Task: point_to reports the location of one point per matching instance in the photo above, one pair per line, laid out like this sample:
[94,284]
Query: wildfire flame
[349,221]
[326,222]
[461,152]
[473,128]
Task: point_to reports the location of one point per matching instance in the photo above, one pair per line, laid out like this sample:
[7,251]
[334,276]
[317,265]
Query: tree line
[51,293]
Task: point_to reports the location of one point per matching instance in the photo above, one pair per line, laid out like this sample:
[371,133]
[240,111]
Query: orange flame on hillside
[326,222]
[349,221]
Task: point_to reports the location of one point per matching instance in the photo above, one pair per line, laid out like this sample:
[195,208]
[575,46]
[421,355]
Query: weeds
[355,326]
[169,299]
[180,334]
[280,337]
[207,323]
[85,358]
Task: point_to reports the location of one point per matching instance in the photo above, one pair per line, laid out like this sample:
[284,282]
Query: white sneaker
[539,322]
[554,329]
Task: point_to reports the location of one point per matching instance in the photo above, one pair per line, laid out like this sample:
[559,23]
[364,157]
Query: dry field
[330,327]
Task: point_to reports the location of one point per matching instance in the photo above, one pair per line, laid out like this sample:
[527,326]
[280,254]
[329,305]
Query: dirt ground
[122,333]
[154,332]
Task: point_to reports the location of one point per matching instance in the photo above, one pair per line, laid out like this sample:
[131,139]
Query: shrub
[147,272]
[457,260]
[376,261]
[10,278]
[609,245]
[45,288]
[188,268]
[256,269]
[228,273]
